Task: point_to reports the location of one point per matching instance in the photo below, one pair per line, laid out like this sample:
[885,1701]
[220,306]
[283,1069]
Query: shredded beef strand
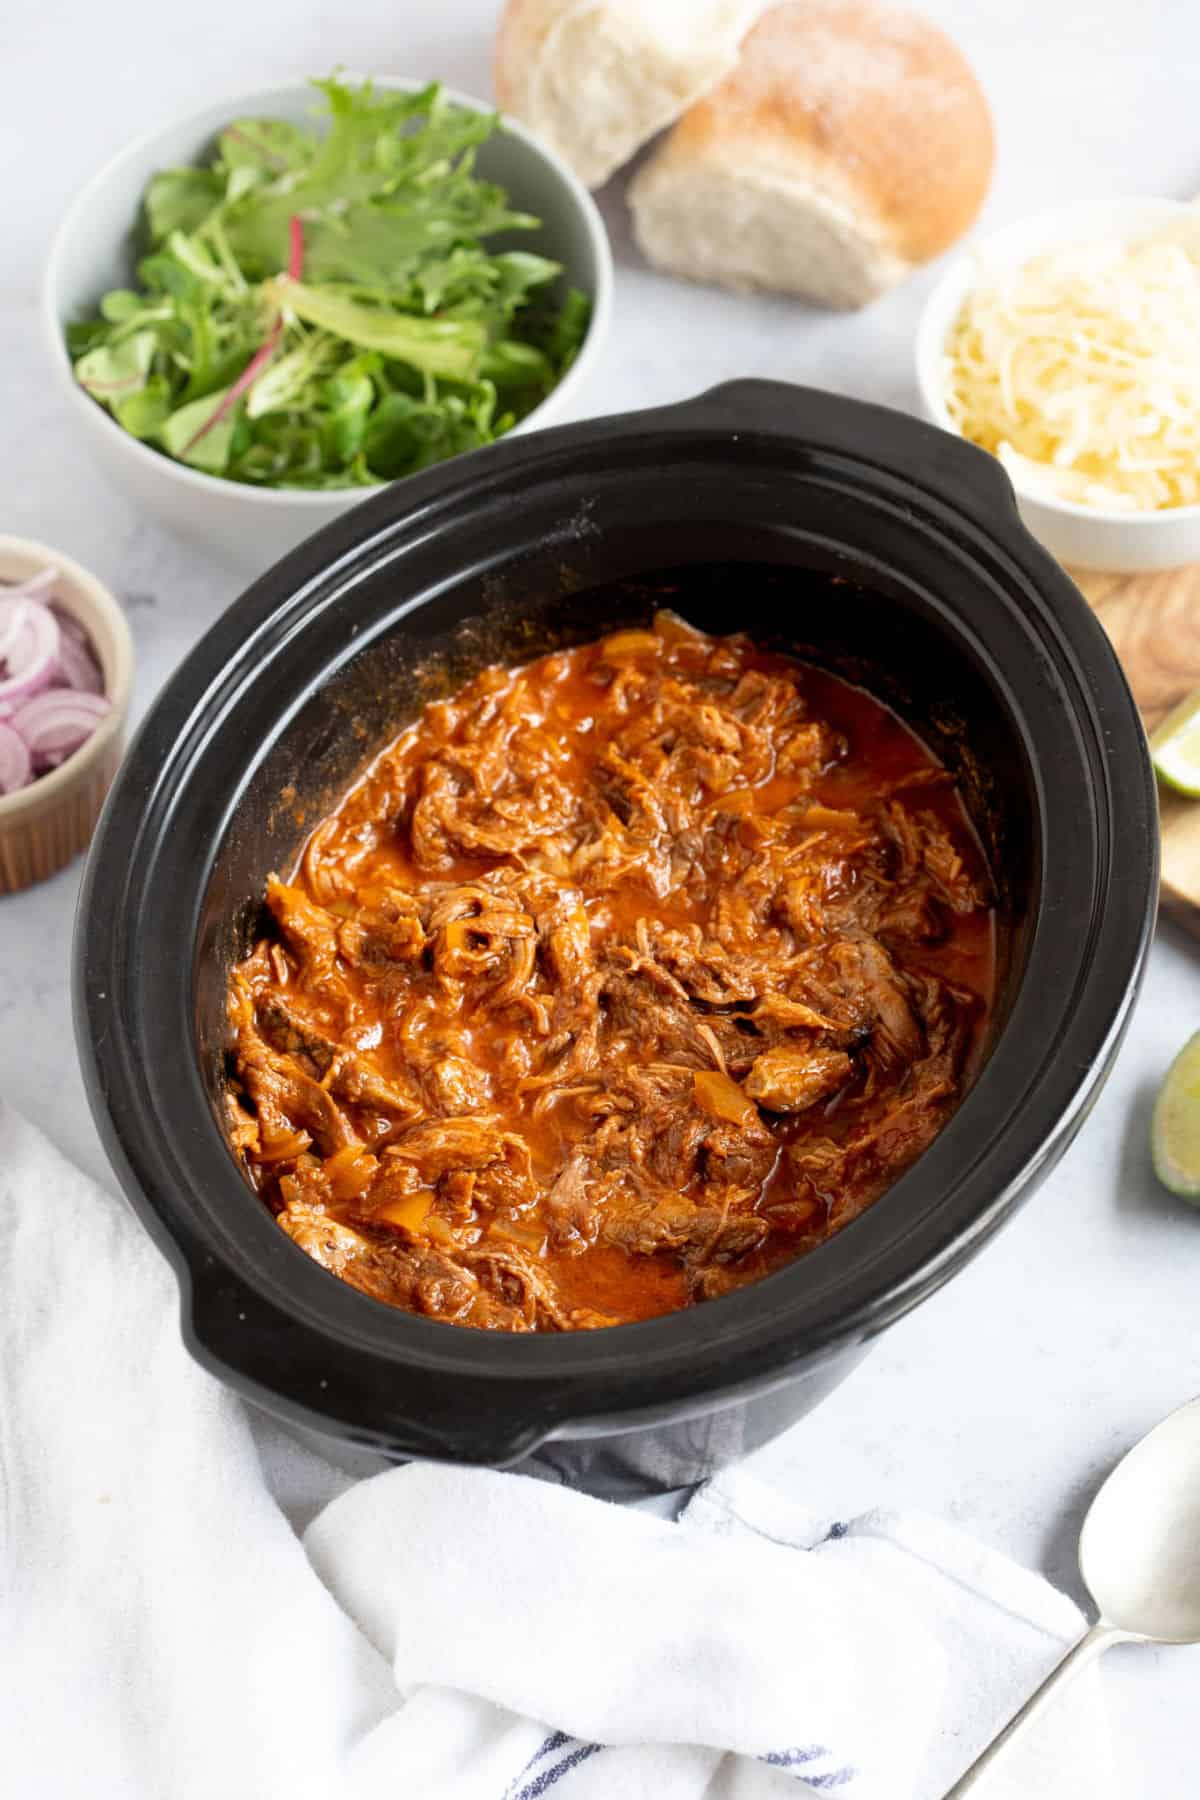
[619,981]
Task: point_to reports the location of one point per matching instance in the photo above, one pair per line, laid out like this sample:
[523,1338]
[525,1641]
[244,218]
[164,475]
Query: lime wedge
[1175,746]
[1175,1130]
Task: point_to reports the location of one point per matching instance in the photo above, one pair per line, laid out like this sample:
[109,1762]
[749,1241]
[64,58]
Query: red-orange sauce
[619,980]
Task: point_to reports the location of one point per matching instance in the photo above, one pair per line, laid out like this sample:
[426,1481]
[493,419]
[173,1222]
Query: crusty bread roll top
[851,142]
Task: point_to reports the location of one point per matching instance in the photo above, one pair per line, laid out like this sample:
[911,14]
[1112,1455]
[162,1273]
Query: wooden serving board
[1154,623]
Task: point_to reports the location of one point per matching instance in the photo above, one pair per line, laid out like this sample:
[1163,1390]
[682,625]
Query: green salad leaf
[320,308]
[450,347]
[115,370]
[184,434]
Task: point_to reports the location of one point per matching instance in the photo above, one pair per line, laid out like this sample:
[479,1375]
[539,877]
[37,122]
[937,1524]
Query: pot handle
[899,444]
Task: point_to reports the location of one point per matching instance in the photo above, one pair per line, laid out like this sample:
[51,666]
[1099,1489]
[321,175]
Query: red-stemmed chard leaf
[263,354]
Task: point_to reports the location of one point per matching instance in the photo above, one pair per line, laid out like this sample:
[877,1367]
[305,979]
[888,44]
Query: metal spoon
[1139,1553]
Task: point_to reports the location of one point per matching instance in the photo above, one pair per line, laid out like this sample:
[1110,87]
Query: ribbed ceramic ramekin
[45,825]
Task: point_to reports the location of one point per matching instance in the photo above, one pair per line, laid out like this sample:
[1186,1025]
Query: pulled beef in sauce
[620,980]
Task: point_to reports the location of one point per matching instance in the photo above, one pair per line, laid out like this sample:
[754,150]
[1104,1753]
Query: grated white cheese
[1080,370]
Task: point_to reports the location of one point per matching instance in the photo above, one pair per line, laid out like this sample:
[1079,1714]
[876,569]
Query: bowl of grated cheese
[1068,345]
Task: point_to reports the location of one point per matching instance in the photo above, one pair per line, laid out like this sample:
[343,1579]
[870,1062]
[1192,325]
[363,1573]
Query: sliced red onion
[31,640]
[51,683]
[69,625]
[78,667]
[16,767]
[58,721]
[34,587]
[12,617]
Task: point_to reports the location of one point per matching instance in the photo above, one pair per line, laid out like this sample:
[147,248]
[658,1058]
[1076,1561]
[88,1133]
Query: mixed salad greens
[319,309]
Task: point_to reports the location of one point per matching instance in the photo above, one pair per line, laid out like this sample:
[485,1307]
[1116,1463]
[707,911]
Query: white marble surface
[1003,1401]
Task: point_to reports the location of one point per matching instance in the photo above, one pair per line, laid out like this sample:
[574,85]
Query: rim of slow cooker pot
[278,1326]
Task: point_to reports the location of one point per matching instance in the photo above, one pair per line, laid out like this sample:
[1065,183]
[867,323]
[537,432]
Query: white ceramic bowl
[1083,537]
[95,248]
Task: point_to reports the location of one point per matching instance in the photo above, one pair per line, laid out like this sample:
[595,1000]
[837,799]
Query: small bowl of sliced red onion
[66,663]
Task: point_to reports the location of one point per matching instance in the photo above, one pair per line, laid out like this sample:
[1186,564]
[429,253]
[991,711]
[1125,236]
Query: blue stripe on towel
[545,1779]
[800,1755]
[521,1788]
[556,1741]
[533,1782]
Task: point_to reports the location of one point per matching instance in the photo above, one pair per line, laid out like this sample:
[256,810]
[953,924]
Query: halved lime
[1175,746]
[1175,1129]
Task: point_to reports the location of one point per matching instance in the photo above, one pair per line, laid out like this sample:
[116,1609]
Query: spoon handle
[1093,1642]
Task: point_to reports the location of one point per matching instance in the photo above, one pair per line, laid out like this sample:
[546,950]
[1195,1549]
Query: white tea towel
[442,1634]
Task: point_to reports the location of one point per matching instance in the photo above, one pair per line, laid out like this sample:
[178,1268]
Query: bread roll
[597,78]
[851,142]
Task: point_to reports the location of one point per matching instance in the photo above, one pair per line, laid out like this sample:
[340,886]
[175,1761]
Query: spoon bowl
[1139,1550]
[1139,1553]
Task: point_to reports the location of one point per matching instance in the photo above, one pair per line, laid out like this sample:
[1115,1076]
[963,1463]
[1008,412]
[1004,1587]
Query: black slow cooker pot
[877,546]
